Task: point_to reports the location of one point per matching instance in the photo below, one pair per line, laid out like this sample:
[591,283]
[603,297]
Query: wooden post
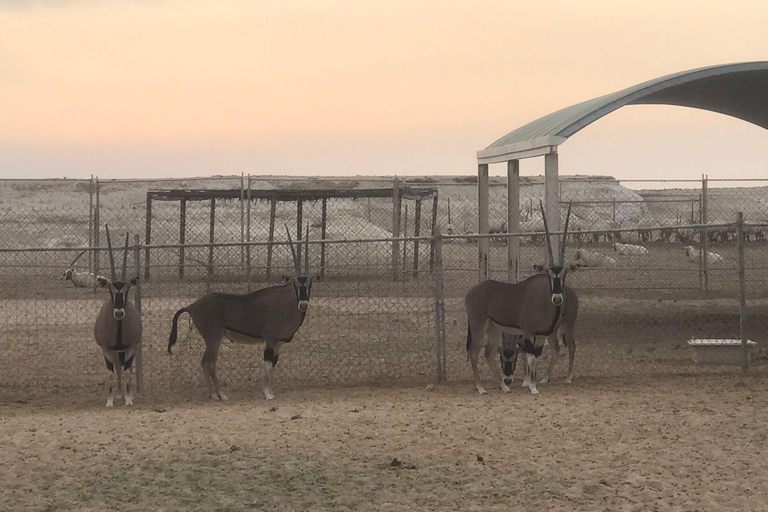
[432,230]
[416,233]
[299,221]
[437,269]
[323,227]
[742,291]
[482,217]
[137,295]
[272,210]
[405,233]
[248,235]
[147,236]
[242,220]
[704,234]
[96,230]
[552,203]
[182,235]
[513,220]
[211,237]
[396,204]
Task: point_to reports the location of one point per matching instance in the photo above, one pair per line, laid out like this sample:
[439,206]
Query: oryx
[118,328]
[271,315]
[80,278]
[540,306]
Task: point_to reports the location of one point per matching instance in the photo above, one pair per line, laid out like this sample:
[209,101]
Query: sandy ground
[653,442]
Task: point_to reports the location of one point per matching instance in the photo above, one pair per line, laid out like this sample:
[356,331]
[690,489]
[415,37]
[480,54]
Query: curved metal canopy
[737,90]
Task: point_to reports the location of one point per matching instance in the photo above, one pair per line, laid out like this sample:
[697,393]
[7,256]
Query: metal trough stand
[719,351]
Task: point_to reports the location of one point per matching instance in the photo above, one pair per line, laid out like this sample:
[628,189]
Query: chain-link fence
[374,318]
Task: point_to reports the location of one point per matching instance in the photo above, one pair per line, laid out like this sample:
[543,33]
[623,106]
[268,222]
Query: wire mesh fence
[375,319]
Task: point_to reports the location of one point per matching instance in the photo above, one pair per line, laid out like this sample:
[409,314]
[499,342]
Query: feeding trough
[720,351]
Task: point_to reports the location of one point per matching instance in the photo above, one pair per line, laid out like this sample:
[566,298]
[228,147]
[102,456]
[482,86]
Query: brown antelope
[270,315]
[118,329]
[540,306]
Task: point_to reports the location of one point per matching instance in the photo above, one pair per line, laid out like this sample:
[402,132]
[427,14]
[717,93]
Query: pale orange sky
[143,88]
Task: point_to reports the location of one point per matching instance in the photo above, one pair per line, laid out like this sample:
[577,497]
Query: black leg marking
[274,360]
[110,366]
[269,354]
[529,348]
[128,363]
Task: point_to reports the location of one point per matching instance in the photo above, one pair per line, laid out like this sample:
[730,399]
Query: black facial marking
[509,368]
[269,354]
[110,366]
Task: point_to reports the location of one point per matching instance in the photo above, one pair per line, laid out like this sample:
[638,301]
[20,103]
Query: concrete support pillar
[513,220]
[482,215]
[552,200]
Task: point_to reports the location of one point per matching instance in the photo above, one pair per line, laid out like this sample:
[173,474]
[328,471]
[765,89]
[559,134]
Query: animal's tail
[469,337]
[174,328]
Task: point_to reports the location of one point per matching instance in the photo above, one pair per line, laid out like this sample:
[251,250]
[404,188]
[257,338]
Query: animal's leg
[128,384]
[491,352]
[531,360]
[209,370]
[110,380]
[554,352]
[271,353]
[118,362]
[571,342]
[526,371]
[474,354]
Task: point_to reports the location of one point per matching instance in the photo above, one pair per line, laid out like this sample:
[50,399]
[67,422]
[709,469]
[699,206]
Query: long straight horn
[565,236]
[306,252]
[293,251]
[546,231]
[111,256]
[125,258]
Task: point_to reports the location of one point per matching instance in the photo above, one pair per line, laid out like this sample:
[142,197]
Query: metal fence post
[242,221]
[396,204]
[90,229]
[440,351]
[96,222]
[139,357]
[704,234]
[248,235]
[742,291]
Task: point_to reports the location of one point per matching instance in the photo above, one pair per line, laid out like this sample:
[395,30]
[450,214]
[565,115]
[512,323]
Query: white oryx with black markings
[270,315]
[80,278]
[540,306]
[118,329]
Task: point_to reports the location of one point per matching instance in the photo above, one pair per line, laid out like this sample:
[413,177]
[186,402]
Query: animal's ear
[538,268]
[134,281]
[102,281]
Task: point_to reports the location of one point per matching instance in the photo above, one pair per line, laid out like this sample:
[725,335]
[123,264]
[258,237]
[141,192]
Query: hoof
[110,403]
[480,389]
[222,397]
[534,391]
[569,380]
[504,388]
[268,395]
[544,380]
[128,401]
